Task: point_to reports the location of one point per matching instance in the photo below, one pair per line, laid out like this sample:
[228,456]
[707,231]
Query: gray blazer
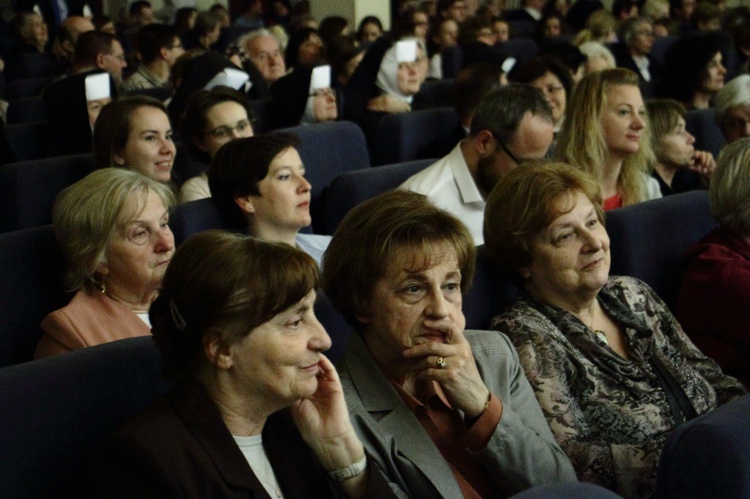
[521,454]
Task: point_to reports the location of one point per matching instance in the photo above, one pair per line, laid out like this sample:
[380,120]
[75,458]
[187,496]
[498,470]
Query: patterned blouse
[609,414]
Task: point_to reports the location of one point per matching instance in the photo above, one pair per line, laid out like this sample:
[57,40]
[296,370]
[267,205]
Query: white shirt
[451,187]
[313,244]
[252,449]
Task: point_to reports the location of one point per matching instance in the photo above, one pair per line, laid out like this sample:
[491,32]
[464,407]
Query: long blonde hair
[582,144]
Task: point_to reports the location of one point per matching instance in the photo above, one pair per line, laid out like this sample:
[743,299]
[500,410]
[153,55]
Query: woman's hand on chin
[388,104]
[459,377]
[323,421]
[703,163]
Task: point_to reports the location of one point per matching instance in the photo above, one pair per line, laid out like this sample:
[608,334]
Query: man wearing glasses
[512,124]
[159,47]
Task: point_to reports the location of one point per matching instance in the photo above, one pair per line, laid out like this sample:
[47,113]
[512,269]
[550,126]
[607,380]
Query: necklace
[600,335]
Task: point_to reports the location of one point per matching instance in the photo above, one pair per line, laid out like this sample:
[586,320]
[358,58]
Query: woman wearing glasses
[303,97]
[212,118]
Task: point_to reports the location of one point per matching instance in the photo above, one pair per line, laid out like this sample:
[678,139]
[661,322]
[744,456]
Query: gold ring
[441,363]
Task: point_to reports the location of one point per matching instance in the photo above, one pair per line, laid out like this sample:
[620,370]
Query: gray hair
[630,28]
[730,187]
[258,33]
[86,213]
[592,50]
[735,93]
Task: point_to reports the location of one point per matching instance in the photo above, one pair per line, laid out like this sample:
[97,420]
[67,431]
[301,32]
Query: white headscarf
[387,79]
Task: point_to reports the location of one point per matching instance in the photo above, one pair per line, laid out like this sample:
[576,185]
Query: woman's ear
[216,350]
[245,204]
[119,159]
[363,315]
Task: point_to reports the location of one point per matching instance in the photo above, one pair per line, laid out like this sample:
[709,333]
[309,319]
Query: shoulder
[653,191]
[492,348]
[431,179]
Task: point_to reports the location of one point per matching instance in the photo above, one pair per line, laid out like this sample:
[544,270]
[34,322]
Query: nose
[690,138]
[165,242]
[722,69]
[592,241]
[167,147]
[638,122]
[319,339]
[437,308]
[304,185]
[746,129]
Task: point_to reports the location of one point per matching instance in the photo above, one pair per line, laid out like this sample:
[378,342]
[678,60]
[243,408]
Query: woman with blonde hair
[605,133]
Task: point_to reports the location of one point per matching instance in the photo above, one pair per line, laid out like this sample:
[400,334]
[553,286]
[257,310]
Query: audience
[134,132]
[113,230]
[256,409]
[613,411]
[610,366]
[511,125]
[712,303]
[266,54]
[158,47]
[695,69]
[605,133]
[212,118]
[460,419]
[679,167]
[732,108]
[258,185]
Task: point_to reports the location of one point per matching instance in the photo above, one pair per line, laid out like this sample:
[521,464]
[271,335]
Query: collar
[465,182]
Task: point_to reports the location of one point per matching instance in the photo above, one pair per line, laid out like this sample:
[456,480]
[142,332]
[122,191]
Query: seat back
[708,456]
[28,189]
[28,141]
[31,286]
[58,410]
[25,110]
[522,49]
[647,239]
[451,61]
[328,149]
[702,125]
[193,217]
[335,325]
[661,47]
[408,136]
[488,295]
[351,188]
[27,87]
[260,109]
[435,92]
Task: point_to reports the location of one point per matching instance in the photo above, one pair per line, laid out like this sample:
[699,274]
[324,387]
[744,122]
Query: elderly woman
[610,366]
[134,132]
[634,53]
[446,412]
[732,108]
[713,301]
[694,70]
[303,97]
[112,226]
[605,133]
[258,185]
[679,167]
[212,118]
[256,409]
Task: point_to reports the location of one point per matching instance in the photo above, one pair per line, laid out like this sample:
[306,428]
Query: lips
[593,265]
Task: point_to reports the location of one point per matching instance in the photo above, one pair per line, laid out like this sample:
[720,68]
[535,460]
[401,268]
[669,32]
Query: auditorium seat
[488,295]
[661,46]
[27,87]
[25,110]
[647,239]
[28,141]
[451,61]
[328,149]
[259,109]
[31,286]
[702,125]
[58,410]
[28,189]
[408,136]
[349,189]
[708,457]
[522,49]
[193,217]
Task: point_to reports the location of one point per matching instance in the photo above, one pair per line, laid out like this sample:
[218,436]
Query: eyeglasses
[506,150]
[121,57]
[225,132]
[324,92]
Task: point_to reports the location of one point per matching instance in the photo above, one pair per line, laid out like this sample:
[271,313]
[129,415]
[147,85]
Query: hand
[388,104]
[323,421]
[703,163]
[459,378]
